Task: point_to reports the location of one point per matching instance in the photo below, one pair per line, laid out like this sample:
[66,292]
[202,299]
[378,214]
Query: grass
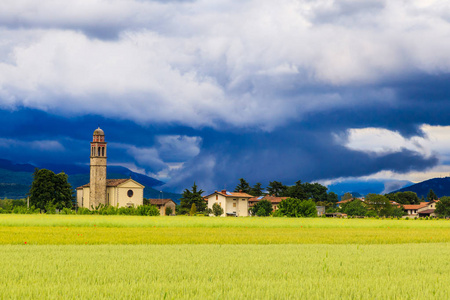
[413,271]
[98,257]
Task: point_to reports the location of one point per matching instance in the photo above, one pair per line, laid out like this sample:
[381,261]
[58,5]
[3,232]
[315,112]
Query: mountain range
[16,179]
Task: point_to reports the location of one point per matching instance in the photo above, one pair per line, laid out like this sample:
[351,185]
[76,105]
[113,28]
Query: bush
[217,209]
[84,211]
[193,210]
[292,207]
[67,211]
[147,210]
[262,208]
[168,211]
[50,209]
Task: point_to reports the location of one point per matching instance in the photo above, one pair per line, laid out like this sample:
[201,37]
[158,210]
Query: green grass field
[55,257]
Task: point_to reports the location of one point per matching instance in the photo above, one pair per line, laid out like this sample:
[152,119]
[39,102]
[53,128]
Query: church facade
[102,191]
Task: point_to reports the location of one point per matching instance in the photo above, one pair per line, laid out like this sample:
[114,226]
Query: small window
[130,193]
[234,204]
[217,197]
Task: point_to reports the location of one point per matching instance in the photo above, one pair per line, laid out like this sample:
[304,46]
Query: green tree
[354,208]
[262,208]
[347,196]
[193,210]
[332,197]
[189,198]
[443,207]
[256,190]
[217,209]
[407,197]
[431,196]
[292,207]
[276,188]
[315,191]
[297,191]
[379,203]
[242,186]
[49,190]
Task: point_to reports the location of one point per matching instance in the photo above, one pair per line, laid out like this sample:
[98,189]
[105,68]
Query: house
[232,203]
[428,209]
[423,209]
[102,191]
[162,204]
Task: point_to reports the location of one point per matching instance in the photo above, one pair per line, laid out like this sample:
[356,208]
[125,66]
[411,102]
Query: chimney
[240,191]
[224,191]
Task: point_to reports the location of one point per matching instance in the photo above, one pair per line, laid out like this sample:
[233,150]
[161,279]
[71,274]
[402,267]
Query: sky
[212,91]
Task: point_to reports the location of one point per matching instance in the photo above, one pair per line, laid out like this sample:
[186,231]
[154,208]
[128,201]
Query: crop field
[95,257]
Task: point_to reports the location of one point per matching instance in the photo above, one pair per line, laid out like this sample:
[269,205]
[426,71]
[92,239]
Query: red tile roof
[414,206]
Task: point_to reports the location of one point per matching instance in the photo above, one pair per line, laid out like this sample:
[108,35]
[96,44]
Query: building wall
[122,198]
[83,197]
[97,181]
[242,207]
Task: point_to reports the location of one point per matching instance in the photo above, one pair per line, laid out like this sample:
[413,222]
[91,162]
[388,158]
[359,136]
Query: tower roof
[98,131]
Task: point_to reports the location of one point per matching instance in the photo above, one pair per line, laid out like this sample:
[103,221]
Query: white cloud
[379,141]
[209,63]
[435,141]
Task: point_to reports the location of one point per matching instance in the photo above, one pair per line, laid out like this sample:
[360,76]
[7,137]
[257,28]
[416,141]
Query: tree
[431,196]
[256,190]
[443,207]
[407,197]
[315,191]
[297,191]
[262,208]
[50,190]
[332,197]
[379,203]
[354,208]
[217,209]
[347,196]
[276,188]
[189,198]
[193,210]
[242,186]
[292,207]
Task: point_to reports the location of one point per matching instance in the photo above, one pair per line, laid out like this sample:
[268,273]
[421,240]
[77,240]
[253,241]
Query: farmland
[222,258]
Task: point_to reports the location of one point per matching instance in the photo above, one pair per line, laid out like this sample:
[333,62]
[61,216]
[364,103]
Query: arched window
[103,151]
[98,151]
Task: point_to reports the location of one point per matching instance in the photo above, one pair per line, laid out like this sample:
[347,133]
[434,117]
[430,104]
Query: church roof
[109,182]
[98,131]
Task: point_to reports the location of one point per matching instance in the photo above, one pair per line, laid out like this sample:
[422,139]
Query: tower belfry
[97,192]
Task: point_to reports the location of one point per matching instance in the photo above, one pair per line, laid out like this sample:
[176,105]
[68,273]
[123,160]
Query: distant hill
[360,188]
[16,179]
[441,187]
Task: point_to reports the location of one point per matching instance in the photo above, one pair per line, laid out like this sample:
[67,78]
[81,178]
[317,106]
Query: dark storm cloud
[252,89]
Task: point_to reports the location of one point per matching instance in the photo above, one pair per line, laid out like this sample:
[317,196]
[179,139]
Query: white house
[232,203]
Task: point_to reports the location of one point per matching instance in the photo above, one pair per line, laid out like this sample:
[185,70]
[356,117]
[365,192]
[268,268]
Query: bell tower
[97,192]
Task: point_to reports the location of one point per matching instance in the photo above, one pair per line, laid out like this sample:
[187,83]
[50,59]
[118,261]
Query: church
[101,191]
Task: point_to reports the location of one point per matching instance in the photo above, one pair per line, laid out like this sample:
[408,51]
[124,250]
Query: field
[222,258]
